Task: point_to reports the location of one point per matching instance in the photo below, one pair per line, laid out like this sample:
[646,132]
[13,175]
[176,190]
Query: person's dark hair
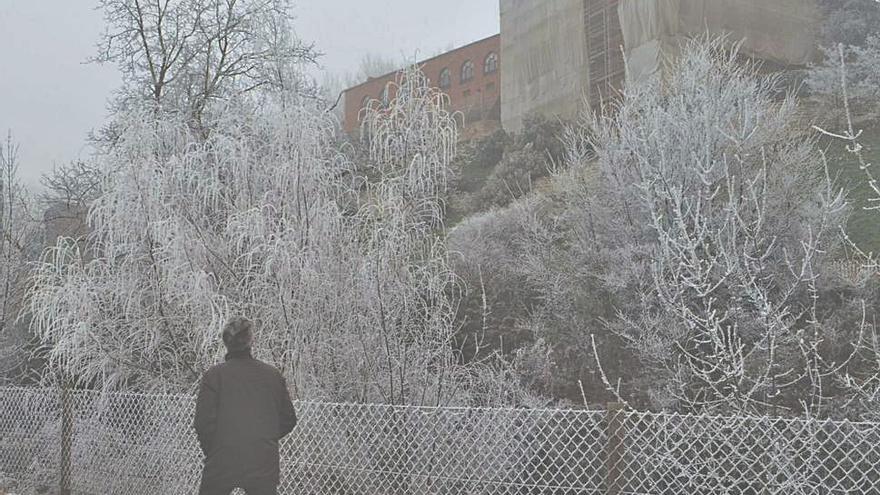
[238,334]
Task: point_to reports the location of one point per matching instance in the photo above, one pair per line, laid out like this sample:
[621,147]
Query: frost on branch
[742,224]
[862,79]
[19,245]
[691,237]
[189,55]
[345,277]
[863,382]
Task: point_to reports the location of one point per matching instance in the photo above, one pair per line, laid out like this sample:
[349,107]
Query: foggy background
[50,98]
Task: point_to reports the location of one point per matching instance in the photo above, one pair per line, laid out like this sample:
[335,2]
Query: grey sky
[51,99]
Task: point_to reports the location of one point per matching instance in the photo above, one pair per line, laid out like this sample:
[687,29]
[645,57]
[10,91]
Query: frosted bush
[703,238]
[347,278]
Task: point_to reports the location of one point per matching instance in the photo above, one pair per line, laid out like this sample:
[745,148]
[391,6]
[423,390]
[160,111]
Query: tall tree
[700,248]
[864,381]
[850,22]
[851,35]
[19,245]
[346,278]
[182,55]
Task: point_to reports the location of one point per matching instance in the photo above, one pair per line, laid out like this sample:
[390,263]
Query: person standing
[243,410]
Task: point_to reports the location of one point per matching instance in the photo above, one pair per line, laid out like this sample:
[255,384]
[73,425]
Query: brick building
[560,54]
[470,75]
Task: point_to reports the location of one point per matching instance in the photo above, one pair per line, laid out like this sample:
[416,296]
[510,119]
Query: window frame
[384,97]
[467,71]
[445,82]
[493,68]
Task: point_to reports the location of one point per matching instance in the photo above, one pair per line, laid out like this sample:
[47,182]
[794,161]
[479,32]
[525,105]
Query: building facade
[557,54]
[469,75]
[561,55]
[780,33]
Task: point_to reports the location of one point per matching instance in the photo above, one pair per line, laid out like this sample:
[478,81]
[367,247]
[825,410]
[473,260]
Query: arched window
[445,79]
[365,102]
[491,64]
[383,96]
[467,71]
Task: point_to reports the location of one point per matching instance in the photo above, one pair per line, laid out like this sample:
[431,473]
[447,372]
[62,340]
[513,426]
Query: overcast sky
[50,98]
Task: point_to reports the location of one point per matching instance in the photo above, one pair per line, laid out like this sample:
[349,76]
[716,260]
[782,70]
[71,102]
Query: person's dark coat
[242,411]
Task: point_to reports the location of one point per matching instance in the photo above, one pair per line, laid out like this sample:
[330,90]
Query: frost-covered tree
[740,222]
[863,382]
[74,184]
[374,65]
[850,34]
[184,57]
[222,191]
[851,136]
[68,192]
[863,77]
[697,253]
[345,277]
[848,103]
[850,22]
[19,245]
[185,54]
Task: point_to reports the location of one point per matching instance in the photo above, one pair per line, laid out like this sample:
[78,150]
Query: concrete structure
[560,54]
[549,48]
[470,75]
[780,32]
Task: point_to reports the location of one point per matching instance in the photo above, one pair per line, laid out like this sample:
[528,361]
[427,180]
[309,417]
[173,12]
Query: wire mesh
[133,444]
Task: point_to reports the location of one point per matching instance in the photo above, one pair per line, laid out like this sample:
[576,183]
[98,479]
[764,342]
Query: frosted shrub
[863,382]
[346,278]
[703,240]
[862,77]
[20,237]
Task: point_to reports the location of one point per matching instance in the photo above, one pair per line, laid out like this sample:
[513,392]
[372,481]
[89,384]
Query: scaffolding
[604,38]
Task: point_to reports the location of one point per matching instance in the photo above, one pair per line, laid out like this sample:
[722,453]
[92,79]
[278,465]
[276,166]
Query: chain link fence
[132,444]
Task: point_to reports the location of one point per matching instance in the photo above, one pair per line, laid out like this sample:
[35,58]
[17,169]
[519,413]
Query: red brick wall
[477,99]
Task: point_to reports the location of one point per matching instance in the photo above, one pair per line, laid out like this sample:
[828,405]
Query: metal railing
[86,443]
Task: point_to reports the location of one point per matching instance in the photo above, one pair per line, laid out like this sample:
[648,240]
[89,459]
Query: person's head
[238,334]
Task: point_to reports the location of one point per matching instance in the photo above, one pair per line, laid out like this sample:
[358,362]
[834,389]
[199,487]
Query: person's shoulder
[212,374]
[268,369]
[214,369]
[219,369]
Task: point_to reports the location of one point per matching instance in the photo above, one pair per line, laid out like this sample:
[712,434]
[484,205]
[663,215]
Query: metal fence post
[614,448]
[66,439]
